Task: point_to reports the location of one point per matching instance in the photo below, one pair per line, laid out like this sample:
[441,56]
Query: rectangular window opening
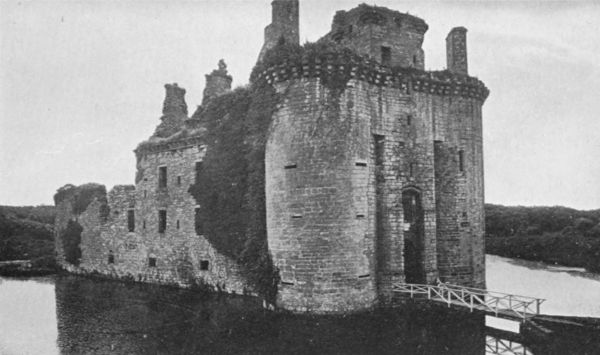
[291,166]
[131,220]
[177,224]
[144,224]
[386,55]
[162,221]
[461,160]
[162,177]
[408,120]
[204,265]
[364,276]
[111,258]
[411,169]
[360,215]
[152,262]
[287,283]
[361,163]
[179,181]
[296,216]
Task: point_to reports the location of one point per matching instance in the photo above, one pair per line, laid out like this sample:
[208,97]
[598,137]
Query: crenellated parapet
[442,83]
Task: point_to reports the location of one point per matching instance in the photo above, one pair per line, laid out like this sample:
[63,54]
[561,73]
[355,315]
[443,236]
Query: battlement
[443,83]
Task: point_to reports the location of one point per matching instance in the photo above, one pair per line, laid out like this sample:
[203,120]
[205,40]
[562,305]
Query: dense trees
[557,235]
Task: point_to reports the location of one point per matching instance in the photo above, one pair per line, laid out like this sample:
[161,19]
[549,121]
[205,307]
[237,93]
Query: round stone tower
[379,180]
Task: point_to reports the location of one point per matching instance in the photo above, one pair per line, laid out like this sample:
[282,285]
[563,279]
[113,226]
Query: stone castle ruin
[342,168]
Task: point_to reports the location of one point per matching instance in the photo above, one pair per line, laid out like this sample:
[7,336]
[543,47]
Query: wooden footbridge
[494,303]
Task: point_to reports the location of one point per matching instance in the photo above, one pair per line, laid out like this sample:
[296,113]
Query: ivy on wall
[230,185]
[78,198]
[71,239]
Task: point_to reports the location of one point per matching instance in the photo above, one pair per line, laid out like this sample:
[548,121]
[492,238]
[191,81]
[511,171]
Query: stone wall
[337,165]
[180,256]
[366,29]
[284,26]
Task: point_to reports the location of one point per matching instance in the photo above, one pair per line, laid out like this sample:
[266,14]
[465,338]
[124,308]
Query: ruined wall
[366,29]
[180,255]
[284,26]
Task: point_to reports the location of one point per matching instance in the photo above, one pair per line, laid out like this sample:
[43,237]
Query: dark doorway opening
[413,236]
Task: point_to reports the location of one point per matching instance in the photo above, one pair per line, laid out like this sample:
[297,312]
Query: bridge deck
[496,303]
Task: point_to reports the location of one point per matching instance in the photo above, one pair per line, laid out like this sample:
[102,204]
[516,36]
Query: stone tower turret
[456,50]
[217,83]
[174,111]
[174,100]
[284,25]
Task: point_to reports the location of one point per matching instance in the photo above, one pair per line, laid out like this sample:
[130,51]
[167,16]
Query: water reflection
[108,317]
[75,315]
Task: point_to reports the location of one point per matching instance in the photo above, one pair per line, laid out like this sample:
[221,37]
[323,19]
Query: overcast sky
[81,83]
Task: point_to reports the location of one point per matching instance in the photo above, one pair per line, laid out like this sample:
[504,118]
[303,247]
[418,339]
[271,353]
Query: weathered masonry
[373,172]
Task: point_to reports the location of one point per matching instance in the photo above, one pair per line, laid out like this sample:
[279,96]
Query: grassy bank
[26,233]
[555,235]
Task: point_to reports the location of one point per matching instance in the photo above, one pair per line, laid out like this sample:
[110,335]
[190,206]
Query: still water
[74,315]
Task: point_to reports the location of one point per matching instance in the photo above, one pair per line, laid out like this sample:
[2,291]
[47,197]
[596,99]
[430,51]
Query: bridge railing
[475,298]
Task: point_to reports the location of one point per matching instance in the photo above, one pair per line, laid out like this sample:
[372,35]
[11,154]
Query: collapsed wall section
[149,234]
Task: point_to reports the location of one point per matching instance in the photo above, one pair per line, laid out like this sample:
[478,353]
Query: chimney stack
[174,100]
[456,51]
[217,83]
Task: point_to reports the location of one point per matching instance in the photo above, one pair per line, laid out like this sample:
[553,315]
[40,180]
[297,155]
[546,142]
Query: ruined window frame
[131,220]
[386,55]
[204,265]
[162,177]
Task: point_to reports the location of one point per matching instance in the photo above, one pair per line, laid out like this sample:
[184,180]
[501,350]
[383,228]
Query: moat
[73,315]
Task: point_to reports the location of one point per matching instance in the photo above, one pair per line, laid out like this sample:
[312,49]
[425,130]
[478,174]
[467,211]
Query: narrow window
[411,169]
[177,224]
[111,257]
[386,55]
[179,181]
[162,177]
[379,158]
[162,221]
[145,194]
[409,120]
[204,265]
[291,166]
[415,60]
[152,262]
[131,220]
[461,160]
[144,224]
[350,29]
[198,222]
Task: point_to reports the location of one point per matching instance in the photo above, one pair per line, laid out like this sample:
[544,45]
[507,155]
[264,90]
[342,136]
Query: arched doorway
[413,236]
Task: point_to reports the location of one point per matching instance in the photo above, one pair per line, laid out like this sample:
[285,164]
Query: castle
[368,181]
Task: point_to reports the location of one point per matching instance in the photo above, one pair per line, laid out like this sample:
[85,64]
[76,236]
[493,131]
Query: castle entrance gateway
[413,236]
